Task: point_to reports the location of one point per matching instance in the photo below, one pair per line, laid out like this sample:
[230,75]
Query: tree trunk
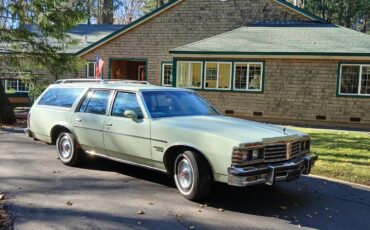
[364,26]
[7,115]
[107,12]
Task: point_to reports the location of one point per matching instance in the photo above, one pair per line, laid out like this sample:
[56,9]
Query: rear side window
[60,97]
[96,102]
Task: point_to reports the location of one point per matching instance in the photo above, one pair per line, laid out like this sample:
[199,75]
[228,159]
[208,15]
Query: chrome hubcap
[185,174]
[65,147]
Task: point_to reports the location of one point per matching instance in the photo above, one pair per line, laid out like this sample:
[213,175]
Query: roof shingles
[325,39]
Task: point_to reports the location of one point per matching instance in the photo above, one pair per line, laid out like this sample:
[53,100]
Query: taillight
[28,120]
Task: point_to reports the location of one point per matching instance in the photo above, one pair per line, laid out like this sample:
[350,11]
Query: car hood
[240,130]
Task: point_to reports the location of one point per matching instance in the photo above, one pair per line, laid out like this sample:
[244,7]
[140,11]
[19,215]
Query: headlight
[247,155]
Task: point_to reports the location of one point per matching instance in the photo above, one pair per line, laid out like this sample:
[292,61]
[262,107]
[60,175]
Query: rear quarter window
[60,97]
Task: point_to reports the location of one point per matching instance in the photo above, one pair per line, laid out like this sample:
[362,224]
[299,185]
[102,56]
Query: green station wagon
[168,129]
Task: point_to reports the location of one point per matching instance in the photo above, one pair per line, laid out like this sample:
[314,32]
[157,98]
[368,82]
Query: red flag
[99,67]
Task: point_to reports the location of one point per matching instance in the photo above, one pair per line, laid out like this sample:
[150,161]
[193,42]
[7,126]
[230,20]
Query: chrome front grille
[276,152]
[295,149]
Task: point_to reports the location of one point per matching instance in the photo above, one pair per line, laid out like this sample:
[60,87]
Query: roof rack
[102,81]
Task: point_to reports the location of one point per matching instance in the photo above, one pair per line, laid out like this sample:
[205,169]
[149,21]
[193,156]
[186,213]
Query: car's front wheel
[67,149]
[193,176]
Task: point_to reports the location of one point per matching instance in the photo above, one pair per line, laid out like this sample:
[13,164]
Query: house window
[90,69]
[189,74]
[15,86]
[354,79]
[166,74]
[218,75]
[248,76]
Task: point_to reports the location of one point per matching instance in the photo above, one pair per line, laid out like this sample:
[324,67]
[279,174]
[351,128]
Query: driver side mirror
[131,114]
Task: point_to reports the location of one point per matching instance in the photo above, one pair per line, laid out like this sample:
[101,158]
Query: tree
[41,44]
[352,14]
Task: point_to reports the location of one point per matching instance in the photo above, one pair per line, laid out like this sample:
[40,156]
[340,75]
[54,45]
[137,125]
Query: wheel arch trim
[189,146]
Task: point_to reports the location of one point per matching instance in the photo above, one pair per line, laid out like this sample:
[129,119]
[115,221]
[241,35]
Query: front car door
[126,138]
[89,120]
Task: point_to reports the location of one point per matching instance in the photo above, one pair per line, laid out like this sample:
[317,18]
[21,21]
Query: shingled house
[264,60]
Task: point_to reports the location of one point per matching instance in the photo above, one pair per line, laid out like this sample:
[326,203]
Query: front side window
[218,75]
[248,76]
[98,102]
[176,103]
[189,74]
[90,70]
[167,74]
[60,97]
[355,80]
[125,101]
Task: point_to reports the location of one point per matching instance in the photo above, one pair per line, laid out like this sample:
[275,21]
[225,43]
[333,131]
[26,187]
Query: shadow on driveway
[309,202]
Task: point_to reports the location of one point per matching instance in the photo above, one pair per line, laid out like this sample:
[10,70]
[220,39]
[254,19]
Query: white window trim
[218,75]
[17,88]
[359,82]
[247,86]
[88,69]
[162,74]
[189,72]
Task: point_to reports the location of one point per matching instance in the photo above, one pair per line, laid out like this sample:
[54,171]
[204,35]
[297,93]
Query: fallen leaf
[284,208]
[69,203]
[150,203]
[178,215]
[141,212]
[56,171]
[199,210]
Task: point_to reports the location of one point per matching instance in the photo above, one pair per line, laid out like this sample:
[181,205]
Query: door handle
[78,120]
[110,124]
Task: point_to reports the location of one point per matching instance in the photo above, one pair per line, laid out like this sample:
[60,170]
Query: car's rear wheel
[68,150]
[193,176]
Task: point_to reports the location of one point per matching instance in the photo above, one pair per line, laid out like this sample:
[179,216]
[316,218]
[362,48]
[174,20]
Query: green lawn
[342,155]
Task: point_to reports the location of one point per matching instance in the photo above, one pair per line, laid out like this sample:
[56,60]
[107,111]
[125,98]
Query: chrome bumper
[271,173]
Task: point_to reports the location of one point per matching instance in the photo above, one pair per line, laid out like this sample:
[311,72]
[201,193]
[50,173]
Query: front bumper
[271,173]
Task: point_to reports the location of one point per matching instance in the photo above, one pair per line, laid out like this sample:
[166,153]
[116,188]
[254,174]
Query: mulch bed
[21,123]
[5,220]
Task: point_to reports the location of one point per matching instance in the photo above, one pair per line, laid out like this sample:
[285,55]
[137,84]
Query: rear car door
[124,137]
[89,120]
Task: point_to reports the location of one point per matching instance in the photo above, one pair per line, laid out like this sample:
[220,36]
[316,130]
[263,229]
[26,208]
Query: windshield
[176,103]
